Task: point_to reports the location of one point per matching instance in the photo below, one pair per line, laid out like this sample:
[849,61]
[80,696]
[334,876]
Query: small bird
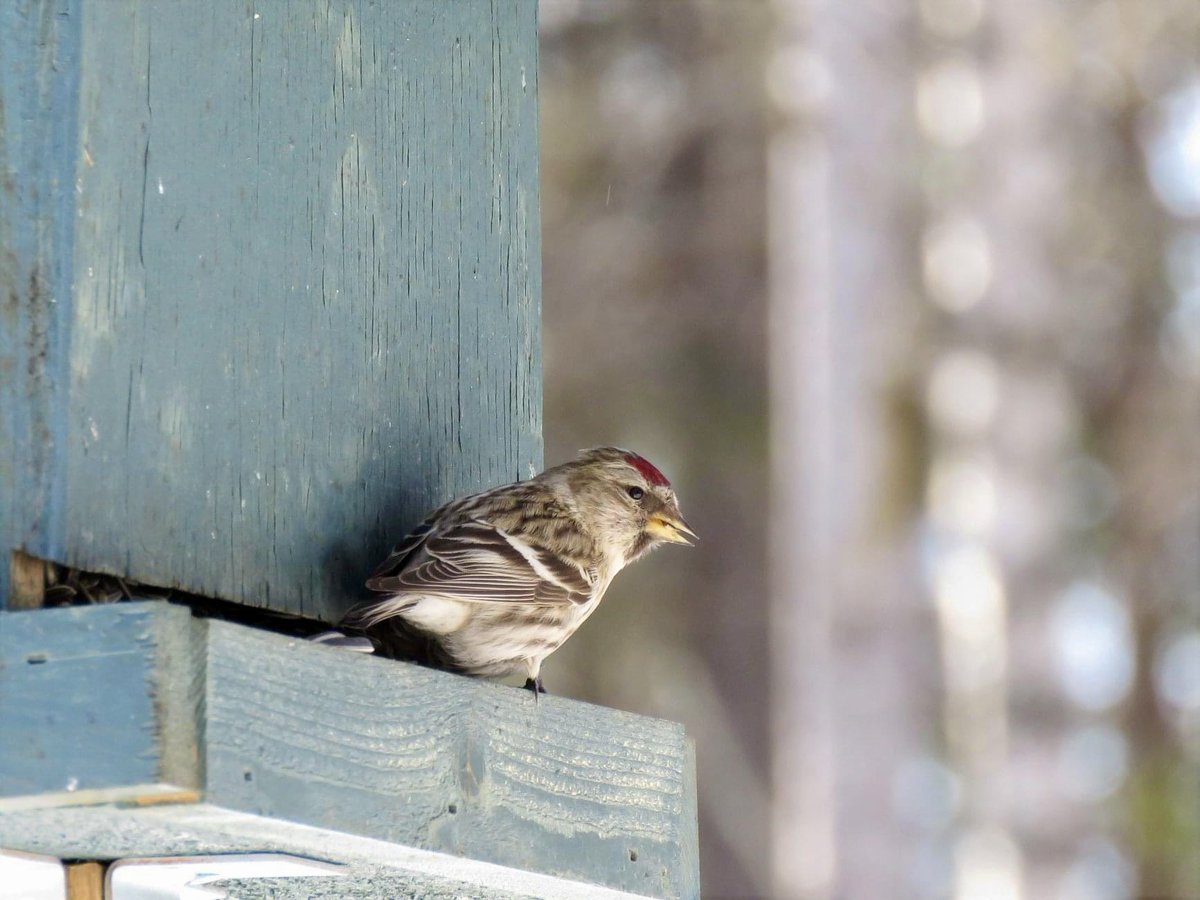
[493,583]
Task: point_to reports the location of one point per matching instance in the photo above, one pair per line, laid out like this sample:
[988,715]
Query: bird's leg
[535,685]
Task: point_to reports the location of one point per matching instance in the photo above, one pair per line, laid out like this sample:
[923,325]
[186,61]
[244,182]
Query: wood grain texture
[39,53]
[306,286]
[369,746]
[93,698]
[372,869]
[27,581]
[137,694]
[85,881]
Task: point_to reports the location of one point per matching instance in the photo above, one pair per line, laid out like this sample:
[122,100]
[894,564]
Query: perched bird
[493,583]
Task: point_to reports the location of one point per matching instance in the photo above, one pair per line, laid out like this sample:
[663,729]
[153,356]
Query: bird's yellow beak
[669,526]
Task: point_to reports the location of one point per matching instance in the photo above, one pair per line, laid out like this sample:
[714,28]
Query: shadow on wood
[271,284]
[149,702]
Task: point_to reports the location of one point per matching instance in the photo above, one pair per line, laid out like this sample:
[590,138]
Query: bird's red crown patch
[649,472]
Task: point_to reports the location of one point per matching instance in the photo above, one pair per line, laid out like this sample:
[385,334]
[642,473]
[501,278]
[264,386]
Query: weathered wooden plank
[27,581]
[301,732]
[306,287]
[338,740]
[372,868]
[85,881]
[39,52]
[93,698]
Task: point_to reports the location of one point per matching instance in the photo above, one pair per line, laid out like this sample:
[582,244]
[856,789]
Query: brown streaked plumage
[493,583]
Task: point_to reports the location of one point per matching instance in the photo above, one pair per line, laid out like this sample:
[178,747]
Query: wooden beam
[85,881]
[294,731]
[367,868]
[274,279]
[27,580]
[39,53]
[98,699]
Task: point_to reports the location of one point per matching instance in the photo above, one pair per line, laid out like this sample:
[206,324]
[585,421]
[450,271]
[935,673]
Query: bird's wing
[476,561]
[403,552]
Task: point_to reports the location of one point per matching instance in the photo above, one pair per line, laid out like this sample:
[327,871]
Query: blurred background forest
[904,296]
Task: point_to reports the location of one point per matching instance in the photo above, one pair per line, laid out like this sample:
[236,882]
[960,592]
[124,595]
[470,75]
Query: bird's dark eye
[635,492]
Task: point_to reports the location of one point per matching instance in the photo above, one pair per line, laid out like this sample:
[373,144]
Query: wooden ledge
[109,708]
[365,868]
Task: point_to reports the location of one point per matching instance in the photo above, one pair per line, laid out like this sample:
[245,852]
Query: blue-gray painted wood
[306,286]
[305,733]
[98,697]
[370,869]
[39,64]
[369,746]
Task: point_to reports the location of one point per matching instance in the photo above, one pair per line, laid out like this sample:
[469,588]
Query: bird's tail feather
[391,636]
[357,643]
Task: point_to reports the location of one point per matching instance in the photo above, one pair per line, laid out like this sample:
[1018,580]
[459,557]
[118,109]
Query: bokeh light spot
[1094,646]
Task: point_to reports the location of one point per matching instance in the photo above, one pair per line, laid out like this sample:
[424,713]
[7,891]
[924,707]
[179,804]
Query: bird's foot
[535,685]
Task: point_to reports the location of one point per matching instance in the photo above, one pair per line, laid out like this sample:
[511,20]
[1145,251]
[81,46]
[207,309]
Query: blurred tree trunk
[803,824]
[852,676]
[977,370]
